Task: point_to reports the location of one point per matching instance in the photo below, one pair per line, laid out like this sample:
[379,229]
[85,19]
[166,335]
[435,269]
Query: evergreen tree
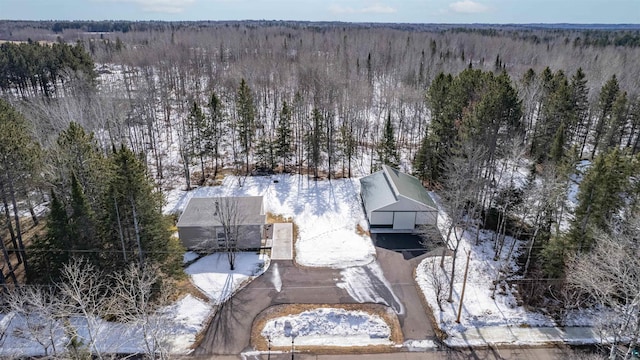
[246,113]
[601,195]
[580,100]
[82,225]
[52,251]
[133,224]
[77,155]
[608,94]
[387,150]
[217,129]
[198,136]
[283,143]
[20,168]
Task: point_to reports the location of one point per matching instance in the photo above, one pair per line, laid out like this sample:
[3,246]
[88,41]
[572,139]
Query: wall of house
[200,237]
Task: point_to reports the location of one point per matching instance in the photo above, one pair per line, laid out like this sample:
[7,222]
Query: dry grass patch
[361,231]
[384,312]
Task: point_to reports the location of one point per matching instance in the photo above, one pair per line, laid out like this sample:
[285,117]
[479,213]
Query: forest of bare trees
[461,108]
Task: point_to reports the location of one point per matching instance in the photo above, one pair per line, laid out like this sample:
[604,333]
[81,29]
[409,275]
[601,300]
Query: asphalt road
[552,353]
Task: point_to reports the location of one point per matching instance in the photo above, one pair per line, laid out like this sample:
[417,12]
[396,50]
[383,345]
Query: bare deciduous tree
[460,198]
[136,300]
[228,214]
[38,309]
[609,275]
[84,291]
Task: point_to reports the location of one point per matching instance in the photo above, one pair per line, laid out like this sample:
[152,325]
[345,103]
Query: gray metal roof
[202,211]
[382,188]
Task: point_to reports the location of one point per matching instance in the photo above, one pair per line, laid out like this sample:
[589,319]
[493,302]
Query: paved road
[554,353]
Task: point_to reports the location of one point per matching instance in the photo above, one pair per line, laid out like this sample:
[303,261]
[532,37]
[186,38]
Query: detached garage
[396,202]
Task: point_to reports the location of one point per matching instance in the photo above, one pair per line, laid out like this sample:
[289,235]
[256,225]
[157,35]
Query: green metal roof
[408,186]
[382,188]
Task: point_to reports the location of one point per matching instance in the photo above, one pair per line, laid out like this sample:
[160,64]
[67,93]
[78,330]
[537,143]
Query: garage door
[381,218]
[404,220]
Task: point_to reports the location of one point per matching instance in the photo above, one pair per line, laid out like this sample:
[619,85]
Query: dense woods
[531,132]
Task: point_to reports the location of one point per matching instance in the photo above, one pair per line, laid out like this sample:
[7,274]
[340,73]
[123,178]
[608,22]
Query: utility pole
[464,285]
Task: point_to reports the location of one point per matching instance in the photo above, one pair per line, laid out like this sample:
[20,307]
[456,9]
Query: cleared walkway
[282,242]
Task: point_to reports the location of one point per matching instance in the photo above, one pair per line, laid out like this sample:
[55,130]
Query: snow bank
[328,327]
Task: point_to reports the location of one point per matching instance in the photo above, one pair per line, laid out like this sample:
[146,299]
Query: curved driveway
[230,330]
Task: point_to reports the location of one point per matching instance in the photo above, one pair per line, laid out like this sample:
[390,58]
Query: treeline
[103,206]
[31,68]
[454,107]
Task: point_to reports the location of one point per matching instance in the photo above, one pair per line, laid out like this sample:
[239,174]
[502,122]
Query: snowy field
[328,327]
[326,212]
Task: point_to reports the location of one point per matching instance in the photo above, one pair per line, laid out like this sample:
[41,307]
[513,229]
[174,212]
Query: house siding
[200,237]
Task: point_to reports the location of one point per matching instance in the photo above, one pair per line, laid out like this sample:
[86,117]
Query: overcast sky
[405,11]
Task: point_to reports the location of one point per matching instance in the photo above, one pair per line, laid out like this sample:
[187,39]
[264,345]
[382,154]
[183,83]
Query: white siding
[426,218]
[404,220]
[381,218]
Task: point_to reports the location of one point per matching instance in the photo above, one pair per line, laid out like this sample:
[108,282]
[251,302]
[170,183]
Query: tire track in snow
[368,284]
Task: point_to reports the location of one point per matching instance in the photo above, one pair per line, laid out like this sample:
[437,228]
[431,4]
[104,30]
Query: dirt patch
[260,343]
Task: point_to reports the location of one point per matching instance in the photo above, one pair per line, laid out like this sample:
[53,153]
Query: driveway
[415,323]
[285,283]
[230,329]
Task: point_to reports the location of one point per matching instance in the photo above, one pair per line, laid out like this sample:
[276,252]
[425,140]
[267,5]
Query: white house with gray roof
[396,202]
[200,225]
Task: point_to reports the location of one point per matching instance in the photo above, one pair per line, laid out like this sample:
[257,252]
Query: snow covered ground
[495,311]
[328,327]
[326,212]
[174,328]
[212,276]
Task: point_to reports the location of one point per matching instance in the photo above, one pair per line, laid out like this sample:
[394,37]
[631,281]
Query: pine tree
[133,223]
[600,196]
[387,150]
[217,129]
[20,167]
[77,154]
[198,134]
[283,143]
[608,94]
[82,225]
[580,100]
[52,251]
[245,110]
